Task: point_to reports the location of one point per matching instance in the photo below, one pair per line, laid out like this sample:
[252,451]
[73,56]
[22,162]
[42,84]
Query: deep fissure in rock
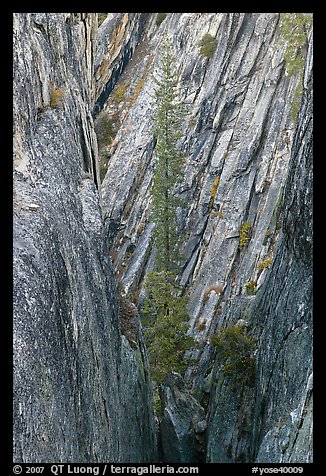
[240,147]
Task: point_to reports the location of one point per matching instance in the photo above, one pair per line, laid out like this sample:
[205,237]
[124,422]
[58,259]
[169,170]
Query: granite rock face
[182,423]
[274,423]
[238,133]
[81,391]
[237,145]
[117,39]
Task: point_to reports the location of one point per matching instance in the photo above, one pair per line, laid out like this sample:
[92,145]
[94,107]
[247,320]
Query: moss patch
[265,263]
[251,288]
[57,96]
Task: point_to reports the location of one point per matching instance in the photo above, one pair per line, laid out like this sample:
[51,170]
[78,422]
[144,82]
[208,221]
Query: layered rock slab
[81,392]
[240,131]
[272,421]
[182,423]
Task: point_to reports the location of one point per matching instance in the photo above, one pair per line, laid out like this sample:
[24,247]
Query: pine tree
[165,319]
[165,310]
[168,171]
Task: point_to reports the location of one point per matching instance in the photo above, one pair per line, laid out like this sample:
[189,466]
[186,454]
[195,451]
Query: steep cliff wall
[272,422]
[81,392]
[239,132]
[116,43]
[237,146]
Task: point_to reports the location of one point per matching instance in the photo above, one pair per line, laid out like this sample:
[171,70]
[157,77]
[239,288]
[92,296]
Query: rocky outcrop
[237,135]
[292,276]
[81,390]
[272,421]
[237,146]
[182,423]
[116,42]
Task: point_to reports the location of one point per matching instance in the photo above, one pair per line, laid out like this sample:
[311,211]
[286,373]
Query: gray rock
[238,129]
[78,383]
[249,155]
[294,317]
[182,419]
[201,426]
[279,406]
[116,42]
[81,392]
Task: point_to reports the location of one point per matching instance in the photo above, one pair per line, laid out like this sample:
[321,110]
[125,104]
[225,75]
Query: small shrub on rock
[101,18]
[251,288]
[265,263]
[245,234]
[207,45]
[236,349]
[119,92]
[56,97]
[160,18]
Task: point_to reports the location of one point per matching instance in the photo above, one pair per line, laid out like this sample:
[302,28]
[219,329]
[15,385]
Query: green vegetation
[265,263]
[164,315]
[213,191]
[56,97]
[294,33]
[160,18]
[296,103]
[251,288]
[119,92]
[207,45]
[101,18]
[236,348]
[168,173]
[245,234]
[106,130]
[165,321]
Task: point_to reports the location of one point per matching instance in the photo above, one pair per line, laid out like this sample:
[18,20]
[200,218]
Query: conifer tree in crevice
[165,310]
[168,119]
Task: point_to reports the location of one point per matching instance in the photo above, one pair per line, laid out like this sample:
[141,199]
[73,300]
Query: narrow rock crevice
[83,240]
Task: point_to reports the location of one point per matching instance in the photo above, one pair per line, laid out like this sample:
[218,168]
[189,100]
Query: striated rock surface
[272,422]
[116,42]
[238,140]
[81,390]
[182,423]
[238,135]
